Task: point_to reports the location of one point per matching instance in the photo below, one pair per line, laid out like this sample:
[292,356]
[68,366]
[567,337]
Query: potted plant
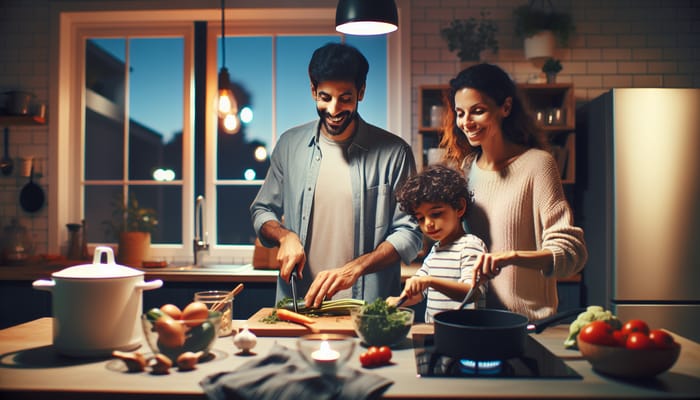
[540,29]
[469,37]
[133,226]
[551,68]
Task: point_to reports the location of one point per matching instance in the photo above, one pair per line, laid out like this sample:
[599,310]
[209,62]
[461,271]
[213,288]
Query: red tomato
[661,339]
[375,356]
[620,338]
[384,354]
[638,341]
[598,332]
[635,325]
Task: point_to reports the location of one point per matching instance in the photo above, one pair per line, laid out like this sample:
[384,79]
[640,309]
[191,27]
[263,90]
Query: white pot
[539,45]
[97,307]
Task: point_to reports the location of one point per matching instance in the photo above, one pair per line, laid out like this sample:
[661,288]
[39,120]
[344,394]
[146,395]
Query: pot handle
[43,284]
[539,326]
[150,285]
[99,250]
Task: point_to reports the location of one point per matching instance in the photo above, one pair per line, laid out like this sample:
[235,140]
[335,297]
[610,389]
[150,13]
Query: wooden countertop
[30,369]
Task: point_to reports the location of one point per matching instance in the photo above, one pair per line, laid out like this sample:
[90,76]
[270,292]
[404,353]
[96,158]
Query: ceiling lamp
[366,17]
[227,107]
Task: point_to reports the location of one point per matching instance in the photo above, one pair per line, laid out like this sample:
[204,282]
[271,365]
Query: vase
[539,45]
[551,77]
[134,248]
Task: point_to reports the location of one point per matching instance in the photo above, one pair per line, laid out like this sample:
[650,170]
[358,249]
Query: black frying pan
[31,198]
[485,334]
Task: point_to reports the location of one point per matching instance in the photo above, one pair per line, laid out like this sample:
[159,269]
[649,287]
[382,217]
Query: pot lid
[98,269]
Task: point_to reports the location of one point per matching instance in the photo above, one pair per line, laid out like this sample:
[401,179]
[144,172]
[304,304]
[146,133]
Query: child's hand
[416,285]
[392,301]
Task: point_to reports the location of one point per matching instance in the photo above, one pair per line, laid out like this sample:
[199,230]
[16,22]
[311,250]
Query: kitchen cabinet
[553,106]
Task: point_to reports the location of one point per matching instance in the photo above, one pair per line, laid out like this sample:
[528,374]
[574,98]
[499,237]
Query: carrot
[291,316]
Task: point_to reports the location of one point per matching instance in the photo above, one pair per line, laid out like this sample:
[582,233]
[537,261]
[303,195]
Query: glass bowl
[326,352]
[173,337]
[382,330]
[629,363]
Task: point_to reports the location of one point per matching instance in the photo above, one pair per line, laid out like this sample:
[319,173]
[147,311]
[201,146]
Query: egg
[195,313]
[172,310]
[171,332]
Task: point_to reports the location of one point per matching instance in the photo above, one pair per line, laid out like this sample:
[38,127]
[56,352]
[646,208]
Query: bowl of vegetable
[633,351]
[193,330]
[378,324]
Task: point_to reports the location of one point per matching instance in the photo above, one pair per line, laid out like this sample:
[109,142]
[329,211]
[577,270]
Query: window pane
[155,106]
[295,104]
[99,207]
[232,216]
[104,108]
[251,72]
[167,203]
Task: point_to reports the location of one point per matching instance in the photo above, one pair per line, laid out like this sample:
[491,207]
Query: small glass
[213,297]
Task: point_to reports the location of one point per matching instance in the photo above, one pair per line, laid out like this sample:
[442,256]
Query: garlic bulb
[245,340]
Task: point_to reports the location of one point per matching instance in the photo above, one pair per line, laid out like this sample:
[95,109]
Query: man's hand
[330,282]
[290,254]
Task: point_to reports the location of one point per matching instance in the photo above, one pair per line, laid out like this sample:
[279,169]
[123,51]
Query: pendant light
[366,17]
[227,107]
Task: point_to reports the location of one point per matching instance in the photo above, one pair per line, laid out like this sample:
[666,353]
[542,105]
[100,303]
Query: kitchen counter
[30,369]
[172,273]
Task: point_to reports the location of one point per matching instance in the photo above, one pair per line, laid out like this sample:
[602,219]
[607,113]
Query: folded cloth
[283,374]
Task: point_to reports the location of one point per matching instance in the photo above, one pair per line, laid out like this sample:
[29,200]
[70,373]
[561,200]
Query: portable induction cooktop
[535,362]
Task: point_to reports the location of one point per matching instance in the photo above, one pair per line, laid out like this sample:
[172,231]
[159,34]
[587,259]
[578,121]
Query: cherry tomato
[384,354]
[661,339]
[638,341]
[620,338]
[375,356]
[635,325]
[598,332]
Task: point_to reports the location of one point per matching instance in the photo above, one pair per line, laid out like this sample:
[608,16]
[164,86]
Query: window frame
[67,89]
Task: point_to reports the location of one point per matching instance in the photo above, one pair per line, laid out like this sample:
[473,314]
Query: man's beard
[336,130]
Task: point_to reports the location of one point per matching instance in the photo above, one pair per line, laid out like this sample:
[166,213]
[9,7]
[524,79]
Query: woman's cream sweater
[523,207]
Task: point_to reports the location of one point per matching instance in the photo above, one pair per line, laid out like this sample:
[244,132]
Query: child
[437,199]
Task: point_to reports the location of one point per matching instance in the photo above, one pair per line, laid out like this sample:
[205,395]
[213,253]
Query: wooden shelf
[21,120]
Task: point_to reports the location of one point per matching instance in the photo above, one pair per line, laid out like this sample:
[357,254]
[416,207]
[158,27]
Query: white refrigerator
[640,198]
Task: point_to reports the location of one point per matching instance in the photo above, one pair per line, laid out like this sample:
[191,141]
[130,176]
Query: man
[333,180]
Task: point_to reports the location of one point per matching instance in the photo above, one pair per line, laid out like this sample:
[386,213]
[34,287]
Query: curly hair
[519,127]
[435,184]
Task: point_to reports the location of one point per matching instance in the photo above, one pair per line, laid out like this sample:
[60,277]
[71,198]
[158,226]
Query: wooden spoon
[220,304]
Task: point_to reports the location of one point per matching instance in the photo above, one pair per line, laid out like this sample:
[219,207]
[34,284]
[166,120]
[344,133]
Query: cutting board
[325,324]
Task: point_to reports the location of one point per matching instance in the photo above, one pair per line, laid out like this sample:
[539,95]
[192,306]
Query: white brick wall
[632,43]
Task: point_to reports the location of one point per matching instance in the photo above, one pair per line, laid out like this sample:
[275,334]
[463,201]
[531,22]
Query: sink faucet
[200,243]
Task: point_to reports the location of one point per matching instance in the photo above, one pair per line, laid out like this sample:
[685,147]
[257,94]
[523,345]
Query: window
[131,120]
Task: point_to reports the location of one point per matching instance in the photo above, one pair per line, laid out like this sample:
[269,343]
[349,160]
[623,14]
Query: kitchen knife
[293,282]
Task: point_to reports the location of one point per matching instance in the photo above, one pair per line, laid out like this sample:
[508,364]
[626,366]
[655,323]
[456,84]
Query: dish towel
[283,374]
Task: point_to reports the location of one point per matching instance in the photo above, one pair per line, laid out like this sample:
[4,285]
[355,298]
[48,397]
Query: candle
[325,353]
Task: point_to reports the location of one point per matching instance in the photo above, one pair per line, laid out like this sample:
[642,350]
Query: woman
[518,204]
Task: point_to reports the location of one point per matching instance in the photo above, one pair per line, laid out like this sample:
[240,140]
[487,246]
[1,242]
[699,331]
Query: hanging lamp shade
[226,105]
[366,17]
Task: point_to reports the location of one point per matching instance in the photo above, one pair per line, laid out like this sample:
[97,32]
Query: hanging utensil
[32,197]
[6,163]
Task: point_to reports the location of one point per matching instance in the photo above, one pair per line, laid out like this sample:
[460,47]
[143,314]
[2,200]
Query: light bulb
[231,123]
